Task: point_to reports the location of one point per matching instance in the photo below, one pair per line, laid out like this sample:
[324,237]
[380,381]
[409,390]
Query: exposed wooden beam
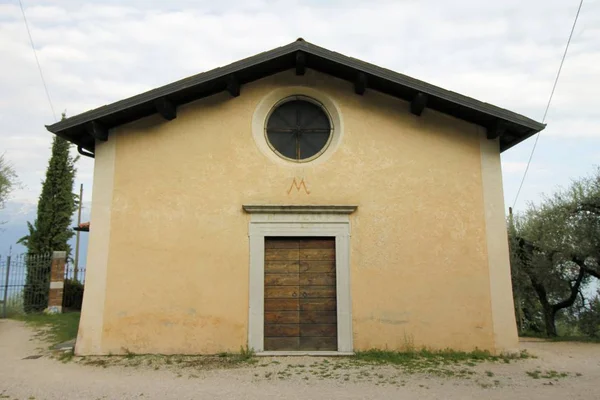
[496,130]
[360,85]
[233,86]
[300,63]
[97,131]
[166,108]
[418,104]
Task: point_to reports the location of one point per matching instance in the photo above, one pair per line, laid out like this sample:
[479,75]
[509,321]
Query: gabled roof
[84,128]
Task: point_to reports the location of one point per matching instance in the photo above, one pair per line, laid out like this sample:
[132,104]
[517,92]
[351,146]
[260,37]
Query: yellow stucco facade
[169,250]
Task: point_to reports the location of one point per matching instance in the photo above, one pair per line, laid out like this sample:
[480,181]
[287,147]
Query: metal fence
[25,284]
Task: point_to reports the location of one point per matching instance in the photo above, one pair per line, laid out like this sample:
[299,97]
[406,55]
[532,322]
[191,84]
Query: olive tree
[555,249]
[8,180]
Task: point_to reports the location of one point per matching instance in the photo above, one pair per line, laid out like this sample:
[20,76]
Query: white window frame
[269,102]
[303,221]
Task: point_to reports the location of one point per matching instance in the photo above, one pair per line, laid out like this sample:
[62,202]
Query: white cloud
[575,128]
[509,167]
[505,53]
[48,14]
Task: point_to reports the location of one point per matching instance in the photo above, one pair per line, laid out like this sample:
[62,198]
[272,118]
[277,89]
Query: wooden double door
[300,294]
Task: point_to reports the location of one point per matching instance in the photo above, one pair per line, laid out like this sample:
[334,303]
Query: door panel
[319,317]
[281,304]
[318,343]
[300,294]
[310,292]
[318,304]
[282,243]
[283,317]
[317,243]
[281,292]
[283,330]
[282,343]
[317,254]
[281,267]
[318,330]
[317,279]
[327,267]
[281,254]
[281,279]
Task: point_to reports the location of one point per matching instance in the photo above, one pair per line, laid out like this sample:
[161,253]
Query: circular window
[298,129]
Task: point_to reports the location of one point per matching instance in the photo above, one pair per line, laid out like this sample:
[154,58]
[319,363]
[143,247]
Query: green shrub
[53,328]
[73,295]
[14,305]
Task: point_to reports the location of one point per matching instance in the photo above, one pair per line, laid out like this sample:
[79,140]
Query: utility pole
[76,269]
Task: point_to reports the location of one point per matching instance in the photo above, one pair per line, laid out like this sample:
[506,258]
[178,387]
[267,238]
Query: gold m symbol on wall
[298,186]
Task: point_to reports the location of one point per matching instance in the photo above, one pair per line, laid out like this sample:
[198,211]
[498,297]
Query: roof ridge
[278,59]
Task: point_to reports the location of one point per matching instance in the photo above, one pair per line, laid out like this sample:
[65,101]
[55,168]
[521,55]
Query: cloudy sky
[503,52]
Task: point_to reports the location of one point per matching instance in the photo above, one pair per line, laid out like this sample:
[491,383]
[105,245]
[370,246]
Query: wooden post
[57,282]
[76,261]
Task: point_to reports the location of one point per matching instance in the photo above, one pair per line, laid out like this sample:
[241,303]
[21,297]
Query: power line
[537,137]
[36,60]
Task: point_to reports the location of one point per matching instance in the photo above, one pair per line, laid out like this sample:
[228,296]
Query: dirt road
[560,371]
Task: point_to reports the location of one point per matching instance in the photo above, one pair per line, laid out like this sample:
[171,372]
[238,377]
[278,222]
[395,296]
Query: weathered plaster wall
[503,312]
[177,270]
[89,336]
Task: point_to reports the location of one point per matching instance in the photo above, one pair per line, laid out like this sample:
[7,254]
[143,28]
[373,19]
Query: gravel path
[293,377]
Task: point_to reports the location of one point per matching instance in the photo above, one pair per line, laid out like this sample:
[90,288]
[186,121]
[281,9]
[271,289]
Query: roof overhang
[85,128]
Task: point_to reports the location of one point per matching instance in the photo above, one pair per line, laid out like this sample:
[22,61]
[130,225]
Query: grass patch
[66,356]
[549,374]
[14,306]
[448,363]
[246,354]
[177,362]
[437,357]
[53,328]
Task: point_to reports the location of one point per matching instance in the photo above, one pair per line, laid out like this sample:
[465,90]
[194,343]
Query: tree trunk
[518,314]
[550,310]
[550,321]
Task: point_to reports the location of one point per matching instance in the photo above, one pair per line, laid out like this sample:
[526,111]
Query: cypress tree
[51,229]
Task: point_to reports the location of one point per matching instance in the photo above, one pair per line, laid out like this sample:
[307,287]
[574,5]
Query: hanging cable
[537,137]
[36,60]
